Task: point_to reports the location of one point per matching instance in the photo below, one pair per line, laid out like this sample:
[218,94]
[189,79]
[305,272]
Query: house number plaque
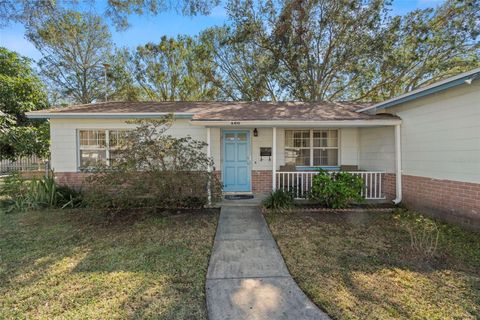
[234,123]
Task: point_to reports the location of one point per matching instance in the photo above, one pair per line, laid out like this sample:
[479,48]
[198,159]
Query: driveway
[247,277]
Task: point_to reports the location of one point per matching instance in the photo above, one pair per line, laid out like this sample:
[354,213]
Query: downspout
[209,156]
[274,158]
[398,165]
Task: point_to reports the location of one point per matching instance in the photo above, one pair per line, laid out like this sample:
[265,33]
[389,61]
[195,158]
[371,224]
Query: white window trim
[107,144]
[311,148]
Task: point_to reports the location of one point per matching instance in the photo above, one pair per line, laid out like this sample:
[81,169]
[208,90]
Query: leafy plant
[336,190]
[279,200]
[424,233]
[154,170]
[36,193]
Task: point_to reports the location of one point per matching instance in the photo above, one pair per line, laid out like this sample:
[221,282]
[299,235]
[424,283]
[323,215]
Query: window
[311,147]
[99,147]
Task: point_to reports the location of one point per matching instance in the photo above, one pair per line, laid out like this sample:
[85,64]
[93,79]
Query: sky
[145,29]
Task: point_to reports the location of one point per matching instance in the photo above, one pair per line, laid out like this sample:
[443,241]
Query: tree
[174,69]
[21,91]
[336,50]
[423,47]
[74,47]
[27,11]
[241,68]
[121,79]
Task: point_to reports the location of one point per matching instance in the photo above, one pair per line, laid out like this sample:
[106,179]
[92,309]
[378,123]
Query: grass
[72,264]
[362,265]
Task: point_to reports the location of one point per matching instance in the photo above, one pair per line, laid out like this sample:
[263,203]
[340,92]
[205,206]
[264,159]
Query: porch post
[274,158]
[209,169]
[398,165]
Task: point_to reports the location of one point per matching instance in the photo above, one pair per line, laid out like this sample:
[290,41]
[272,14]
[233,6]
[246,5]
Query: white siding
[377,149]
[215,136]
[64,137]
[349,146]
[441,135]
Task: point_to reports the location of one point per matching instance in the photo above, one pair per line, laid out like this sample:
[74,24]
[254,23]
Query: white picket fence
[24,164]
[300,183]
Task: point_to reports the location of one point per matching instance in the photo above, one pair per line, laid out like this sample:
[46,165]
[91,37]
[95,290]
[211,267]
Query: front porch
[256,158]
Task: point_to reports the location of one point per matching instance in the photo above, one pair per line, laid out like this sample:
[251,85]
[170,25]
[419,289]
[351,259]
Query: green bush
[154,170]
[23,194]
[279,200]
[336,190]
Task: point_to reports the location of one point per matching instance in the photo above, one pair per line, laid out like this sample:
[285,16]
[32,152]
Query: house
[421,148]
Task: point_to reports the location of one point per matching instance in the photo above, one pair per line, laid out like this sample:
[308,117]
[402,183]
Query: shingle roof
[226,110]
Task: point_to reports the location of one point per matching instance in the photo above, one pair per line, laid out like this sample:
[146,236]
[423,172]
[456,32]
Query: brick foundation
[453,201]
[389,185]
[74,180]
[261,181]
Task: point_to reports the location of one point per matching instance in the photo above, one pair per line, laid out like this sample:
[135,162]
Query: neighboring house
[433,133]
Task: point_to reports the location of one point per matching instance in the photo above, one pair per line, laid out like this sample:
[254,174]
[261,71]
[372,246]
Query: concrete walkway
[247,277]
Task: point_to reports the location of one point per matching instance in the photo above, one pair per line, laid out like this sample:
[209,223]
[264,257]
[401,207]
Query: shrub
[36,193]
[336,190]
[424,233]
[279,200]
[154,170]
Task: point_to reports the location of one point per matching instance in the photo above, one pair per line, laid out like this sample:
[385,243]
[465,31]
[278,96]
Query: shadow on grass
[361,265]
[75,265]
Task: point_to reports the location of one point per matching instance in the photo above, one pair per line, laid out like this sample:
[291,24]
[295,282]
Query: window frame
[107,147]
[312,148]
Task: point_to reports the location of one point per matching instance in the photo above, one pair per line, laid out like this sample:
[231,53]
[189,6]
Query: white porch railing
[300,183]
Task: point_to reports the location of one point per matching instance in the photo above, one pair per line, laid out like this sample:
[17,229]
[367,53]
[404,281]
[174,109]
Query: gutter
[398,165]
[101,115]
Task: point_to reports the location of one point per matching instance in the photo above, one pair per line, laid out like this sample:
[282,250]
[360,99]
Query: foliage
[172,70]
[240,69]
[28,11]
[37,193]
[123,85]
[21,91]
[154,170]
[356,50]
[74,47]
[337,189]
[24,141]
[424,233]
[278,200]
[20,88]
[422,47]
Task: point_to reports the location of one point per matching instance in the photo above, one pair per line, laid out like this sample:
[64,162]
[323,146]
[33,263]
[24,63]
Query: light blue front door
[236,161]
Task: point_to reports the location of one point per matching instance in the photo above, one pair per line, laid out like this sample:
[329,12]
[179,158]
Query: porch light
[255,132]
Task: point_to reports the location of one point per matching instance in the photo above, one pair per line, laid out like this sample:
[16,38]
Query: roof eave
[297,123]
[422,92]
[98,115]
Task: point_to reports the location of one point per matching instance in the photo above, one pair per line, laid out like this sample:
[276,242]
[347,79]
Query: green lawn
[72,264]
[362,266]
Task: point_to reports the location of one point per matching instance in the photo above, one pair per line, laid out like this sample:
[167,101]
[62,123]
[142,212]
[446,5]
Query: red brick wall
[74,180]
[389,186]
[454,201]
[261,181]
